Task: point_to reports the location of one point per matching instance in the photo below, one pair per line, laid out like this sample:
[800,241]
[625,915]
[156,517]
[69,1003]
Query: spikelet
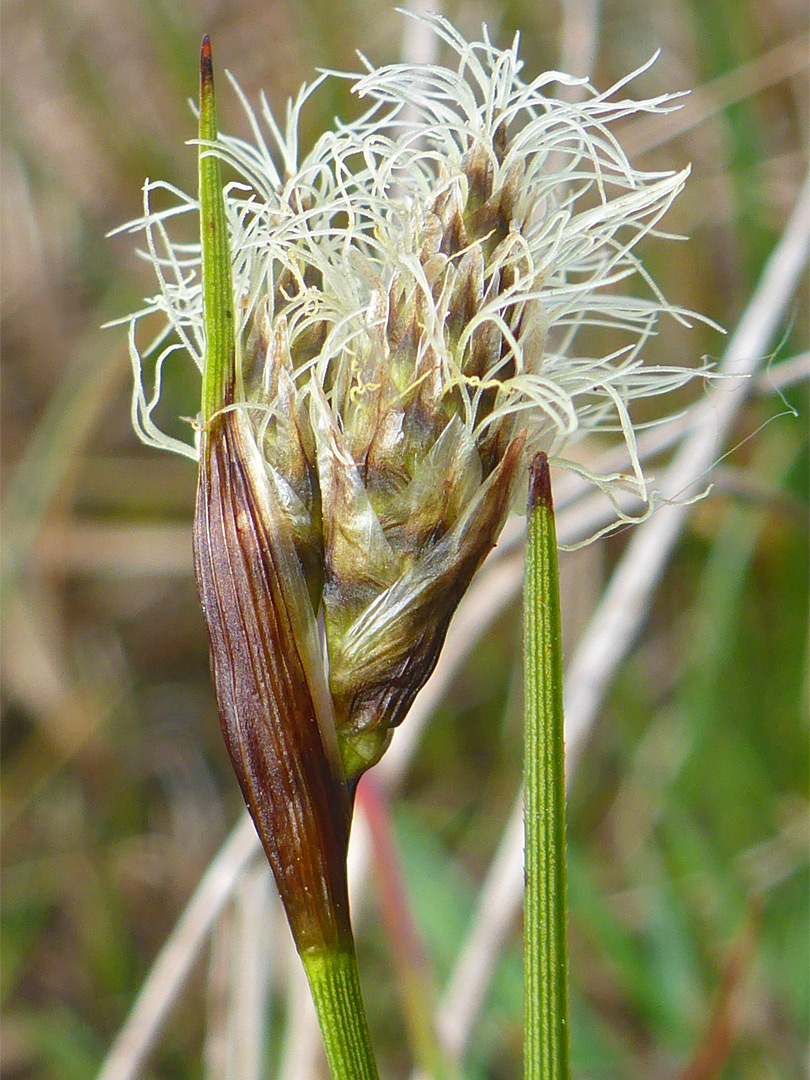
[408,300]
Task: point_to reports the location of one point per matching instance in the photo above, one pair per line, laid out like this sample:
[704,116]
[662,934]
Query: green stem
[546,1055]
[335,985]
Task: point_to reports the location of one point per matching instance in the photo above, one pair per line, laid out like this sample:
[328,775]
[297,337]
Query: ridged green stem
[335,985]
[546,1033]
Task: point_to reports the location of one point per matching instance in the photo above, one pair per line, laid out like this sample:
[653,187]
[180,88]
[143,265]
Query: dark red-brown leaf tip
[206,64]
[540,483]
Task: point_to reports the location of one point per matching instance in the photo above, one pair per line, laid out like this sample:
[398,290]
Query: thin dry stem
[579,36]
[784,61]
[252,968]
[176,959]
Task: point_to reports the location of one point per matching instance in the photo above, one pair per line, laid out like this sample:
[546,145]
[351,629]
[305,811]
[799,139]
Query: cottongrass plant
[389,328]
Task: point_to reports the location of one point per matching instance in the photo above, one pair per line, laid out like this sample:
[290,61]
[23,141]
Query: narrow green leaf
[218,318]
[546,1053]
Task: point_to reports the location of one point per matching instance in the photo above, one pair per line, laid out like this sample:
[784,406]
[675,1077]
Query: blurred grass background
[688,820]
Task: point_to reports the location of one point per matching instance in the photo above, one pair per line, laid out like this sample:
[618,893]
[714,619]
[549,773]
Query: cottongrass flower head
[413,301]
[454,175]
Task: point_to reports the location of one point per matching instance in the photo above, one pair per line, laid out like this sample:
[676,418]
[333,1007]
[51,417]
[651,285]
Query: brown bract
[540,483]
[263,680]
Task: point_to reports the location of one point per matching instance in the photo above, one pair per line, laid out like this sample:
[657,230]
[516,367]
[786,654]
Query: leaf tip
[206,66]
[540,483]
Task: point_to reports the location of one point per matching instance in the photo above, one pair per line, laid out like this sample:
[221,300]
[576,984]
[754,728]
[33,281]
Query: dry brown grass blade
[784,61]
